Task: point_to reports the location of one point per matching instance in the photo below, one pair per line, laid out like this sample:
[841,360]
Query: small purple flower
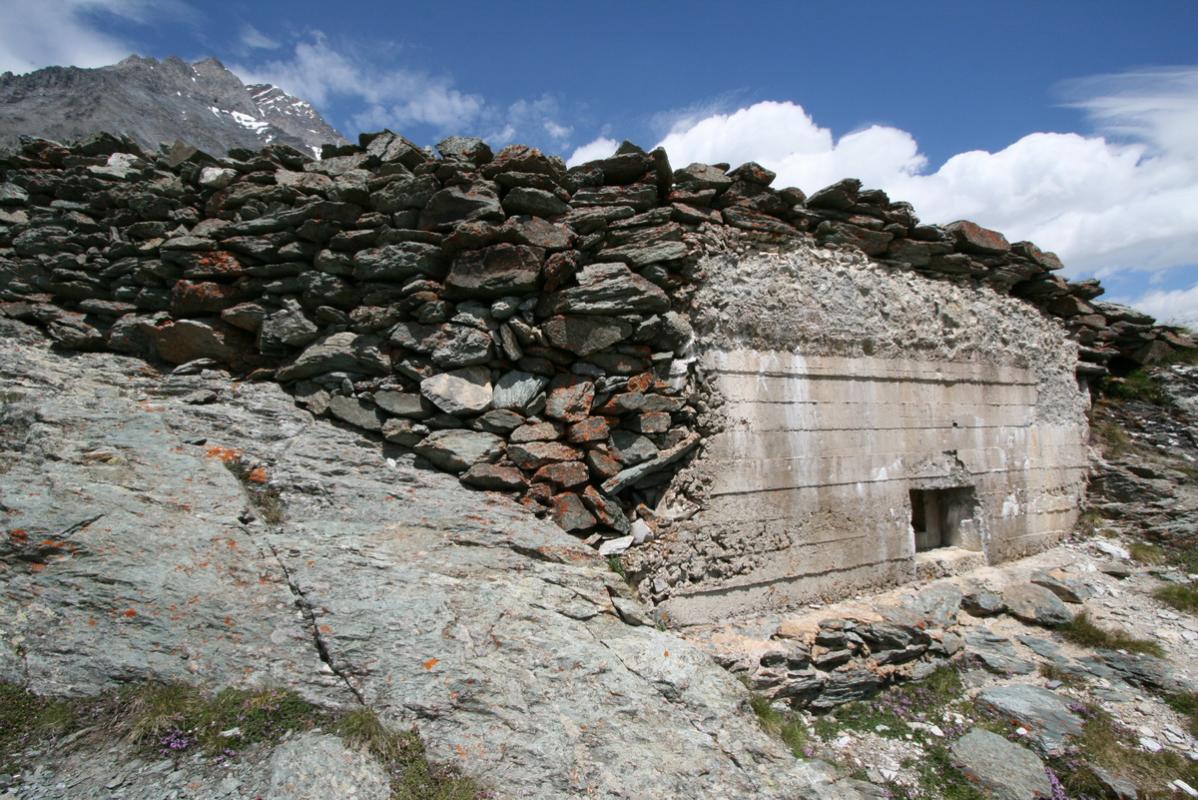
[1058,791]
[175,741]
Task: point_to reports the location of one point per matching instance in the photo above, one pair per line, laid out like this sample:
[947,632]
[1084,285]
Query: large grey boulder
[1036,605]
[1044,713]
[459,391]
[338,352]
[610,289]
[1003,769]
[458,450]
[316,766]
[516,389]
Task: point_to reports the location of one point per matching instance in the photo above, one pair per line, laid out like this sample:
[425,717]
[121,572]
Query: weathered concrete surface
[460,613]
[843,387]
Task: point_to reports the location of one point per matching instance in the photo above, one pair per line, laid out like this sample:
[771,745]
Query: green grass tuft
[1185,704]
[150,713]
[413,776]
[617,566]
[1182,596]
[1147,553]
[1136,385]
[1083,631]
[1052,672]
[164,718]
[785,725]
[1106,744]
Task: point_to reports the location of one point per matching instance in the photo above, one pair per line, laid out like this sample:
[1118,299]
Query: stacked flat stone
[518,323]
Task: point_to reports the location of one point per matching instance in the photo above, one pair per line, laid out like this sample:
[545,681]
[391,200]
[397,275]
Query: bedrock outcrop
[185,527]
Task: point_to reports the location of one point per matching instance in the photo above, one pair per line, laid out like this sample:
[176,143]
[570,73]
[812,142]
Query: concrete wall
[807,483]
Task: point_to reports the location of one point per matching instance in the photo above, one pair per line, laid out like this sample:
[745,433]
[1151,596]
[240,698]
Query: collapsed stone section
[521,324]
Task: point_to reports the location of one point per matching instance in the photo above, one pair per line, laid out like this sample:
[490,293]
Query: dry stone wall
[523,325]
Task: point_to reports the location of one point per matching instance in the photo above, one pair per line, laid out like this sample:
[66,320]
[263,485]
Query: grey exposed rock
[539,203]
[631,448]
[460,391]
[356,412]
[983,603]
[402,404]
[492,272]
[1003,769]
[154,101]
[495,478]
[585,335]
[448,345]
[391,148]
[995,653]
[1035,604]
[610,289]
[465,148]
[338,352]
[1043,713]
[516,389]
[458,450]
[665,458]
[454,205]
[216,177]
[285,329]
[403,194]
[404,432]
[316,766]
[395,262]
[1068,589]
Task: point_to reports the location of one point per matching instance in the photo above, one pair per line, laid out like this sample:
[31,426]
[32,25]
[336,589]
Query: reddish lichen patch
[18,536]
[432,662]
[258,475]
[226,454]
[640,383]
[129,613]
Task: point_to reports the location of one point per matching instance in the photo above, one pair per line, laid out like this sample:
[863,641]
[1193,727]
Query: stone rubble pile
[520,324]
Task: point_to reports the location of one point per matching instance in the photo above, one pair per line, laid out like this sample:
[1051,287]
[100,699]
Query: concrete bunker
[867,427]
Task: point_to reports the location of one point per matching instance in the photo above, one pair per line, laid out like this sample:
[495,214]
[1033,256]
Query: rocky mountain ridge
[154,102]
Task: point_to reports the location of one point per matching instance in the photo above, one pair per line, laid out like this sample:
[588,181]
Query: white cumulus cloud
[1125,197]
[392,97]
[599,148]
[42,33]
[1176,306]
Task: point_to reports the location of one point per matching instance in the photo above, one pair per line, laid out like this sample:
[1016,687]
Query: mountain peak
[152,101]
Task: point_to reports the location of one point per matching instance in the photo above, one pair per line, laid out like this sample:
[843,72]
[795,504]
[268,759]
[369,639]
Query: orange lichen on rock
[432,662]
[226,454]
[258,475]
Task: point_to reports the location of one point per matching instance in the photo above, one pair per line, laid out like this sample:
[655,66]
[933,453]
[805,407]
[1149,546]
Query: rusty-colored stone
[591,429]
[602,464]
[648,422]
[605,509]
[973,238]
[570,514]
[532,456]
[570,398]
[563,474]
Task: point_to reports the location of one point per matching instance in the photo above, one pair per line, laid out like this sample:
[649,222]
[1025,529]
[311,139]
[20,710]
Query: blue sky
[1073,124]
